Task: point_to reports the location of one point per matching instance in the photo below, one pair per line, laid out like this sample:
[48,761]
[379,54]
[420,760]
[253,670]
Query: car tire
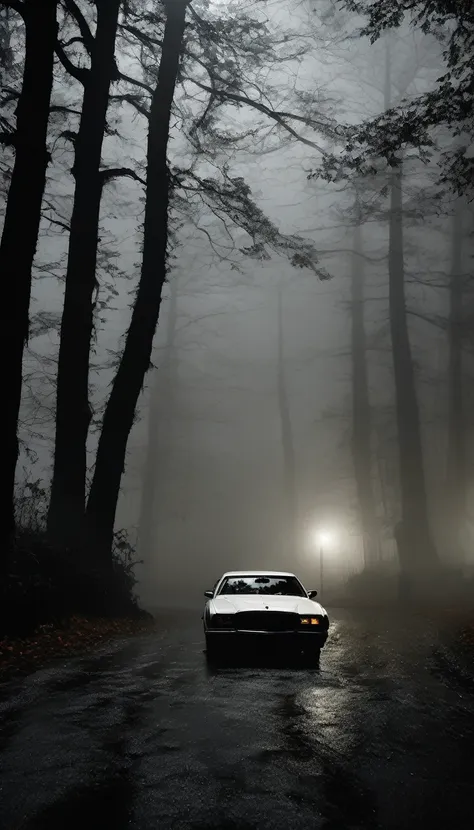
[213,650]
[311,657]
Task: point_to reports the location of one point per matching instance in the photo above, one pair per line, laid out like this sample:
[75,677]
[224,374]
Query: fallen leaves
[22,655]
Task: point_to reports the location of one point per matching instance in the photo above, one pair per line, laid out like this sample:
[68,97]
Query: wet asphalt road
[143,735]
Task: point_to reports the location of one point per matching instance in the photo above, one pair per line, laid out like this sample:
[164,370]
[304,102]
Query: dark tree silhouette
[227,196]
[22,220]
[416,548]
[456,490]
[287,440]
[361,410]
[160,417]
[135,362]
[73,412]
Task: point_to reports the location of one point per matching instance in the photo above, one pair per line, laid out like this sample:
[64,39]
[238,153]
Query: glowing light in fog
[323,537]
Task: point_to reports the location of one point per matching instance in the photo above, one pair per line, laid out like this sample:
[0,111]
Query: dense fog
[267,432]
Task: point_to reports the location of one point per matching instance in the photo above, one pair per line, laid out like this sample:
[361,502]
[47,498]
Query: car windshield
[277,585]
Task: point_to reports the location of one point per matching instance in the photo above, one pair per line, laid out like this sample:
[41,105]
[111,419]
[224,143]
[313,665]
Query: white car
[249,605]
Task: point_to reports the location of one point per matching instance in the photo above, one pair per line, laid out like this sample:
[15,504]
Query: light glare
[323,537]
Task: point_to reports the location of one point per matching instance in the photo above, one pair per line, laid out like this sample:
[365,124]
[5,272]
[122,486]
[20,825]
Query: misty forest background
[237,297]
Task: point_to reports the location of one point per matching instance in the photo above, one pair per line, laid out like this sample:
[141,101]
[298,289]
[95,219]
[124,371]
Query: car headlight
[310,621]
[222,620]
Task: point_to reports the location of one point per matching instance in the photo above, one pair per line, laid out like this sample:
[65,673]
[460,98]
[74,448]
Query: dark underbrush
[445,587]
[56,603]
[44,585]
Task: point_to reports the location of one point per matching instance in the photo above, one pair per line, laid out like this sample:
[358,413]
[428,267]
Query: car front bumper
[295,639]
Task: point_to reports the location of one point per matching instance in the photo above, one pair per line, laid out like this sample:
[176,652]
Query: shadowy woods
[443,588]
[46,585]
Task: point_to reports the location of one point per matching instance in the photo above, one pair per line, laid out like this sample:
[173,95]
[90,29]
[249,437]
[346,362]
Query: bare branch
[58,222]
[72,41]
[69,135]
[63,109]
[279,117]
[141,36]
[439,322]
[76,72]
[353,253]
[86,34]
[134,101]
[11,94]
[120,172]
[134,82]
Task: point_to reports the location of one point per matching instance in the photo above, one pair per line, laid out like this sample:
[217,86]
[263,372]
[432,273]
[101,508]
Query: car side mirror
[312,594]
[209,594]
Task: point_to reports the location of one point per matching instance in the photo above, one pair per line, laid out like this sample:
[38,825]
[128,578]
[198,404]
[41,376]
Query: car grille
[266,621]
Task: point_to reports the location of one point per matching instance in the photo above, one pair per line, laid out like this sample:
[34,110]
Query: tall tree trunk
[159,429]
[21,226]
[289,462]
[135,362]
[456,467]
[361,413]
[416,547]
[73,413]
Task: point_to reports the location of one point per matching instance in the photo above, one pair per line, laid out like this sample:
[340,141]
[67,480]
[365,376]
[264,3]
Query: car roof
[257,573]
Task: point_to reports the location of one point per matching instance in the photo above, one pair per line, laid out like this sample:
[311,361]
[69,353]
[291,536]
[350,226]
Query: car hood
[261,602]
